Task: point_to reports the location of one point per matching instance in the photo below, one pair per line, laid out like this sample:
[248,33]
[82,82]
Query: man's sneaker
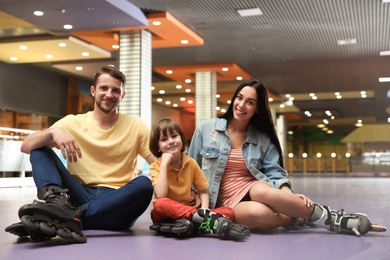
[207,221]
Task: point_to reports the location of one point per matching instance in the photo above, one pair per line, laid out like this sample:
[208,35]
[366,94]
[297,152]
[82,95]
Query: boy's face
[170,143]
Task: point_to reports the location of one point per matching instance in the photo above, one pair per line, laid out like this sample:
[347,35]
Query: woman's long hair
[262,121]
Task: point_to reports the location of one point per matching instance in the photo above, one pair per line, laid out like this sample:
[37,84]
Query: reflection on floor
[367,195]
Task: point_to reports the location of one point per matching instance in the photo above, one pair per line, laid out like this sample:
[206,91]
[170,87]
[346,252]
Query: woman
[242,159]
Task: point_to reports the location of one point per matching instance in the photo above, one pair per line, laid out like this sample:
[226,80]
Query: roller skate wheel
[64,232]
[47,229]
[80,238]
[29,223]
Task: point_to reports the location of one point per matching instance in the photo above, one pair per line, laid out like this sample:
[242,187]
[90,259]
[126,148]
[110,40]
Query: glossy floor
[367,195]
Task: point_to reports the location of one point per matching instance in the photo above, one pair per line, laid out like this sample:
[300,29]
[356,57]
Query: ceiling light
[190,101]
[79,68]
[85,54]
[384,79]
[169,71]
[167,102]
[38,13]
[188,81]
[115,46]
[13,58]
[225,69]
[48,56]
[162,92]
[184,41]
[384,53]
[346,42]
[156,23]
[62,44]
[175,105]
[23,47]
[250,12]
[68,26]
[179,86]
[270,99]
[159,100]
[182,99]
[188,90]
[239,78]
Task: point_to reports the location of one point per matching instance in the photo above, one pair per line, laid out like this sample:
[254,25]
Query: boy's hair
[112,71]
[164,126]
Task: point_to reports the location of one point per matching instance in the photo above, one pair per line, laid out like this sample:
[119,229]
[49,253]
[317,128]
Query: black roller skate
[20,230]
[180,227]
[52,215]
[207,221]
[357,224]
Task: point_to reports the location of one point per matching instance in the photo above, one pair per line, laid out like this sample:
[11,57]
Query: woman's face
[245,104]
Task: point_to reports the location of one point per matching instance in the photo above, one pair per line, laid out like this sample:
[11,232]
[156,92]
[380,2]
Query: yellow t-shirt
[181,180]
[109,157]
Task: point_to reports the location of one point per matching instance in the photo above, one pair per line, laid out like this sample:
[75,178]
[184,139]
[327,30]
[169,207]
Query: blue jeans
[102,207]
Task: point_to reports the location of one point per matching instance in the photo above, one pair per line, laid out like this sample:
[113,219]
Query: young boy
[173,175]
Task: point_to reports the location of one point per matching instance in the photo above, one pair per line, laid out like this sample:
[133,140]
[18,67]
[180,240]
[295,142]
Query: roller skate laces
[220,225]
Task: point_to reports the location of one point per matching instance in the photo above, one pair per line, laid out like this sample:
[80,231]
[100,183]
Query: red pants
[166,209]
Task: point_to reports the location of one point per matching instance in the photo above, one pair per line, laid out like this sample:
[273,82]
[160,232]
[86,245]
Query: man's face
[108,93]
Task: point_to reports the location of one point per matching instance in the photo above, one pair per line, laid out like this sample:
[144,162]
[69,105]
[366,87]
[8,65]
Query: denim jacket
[210,147]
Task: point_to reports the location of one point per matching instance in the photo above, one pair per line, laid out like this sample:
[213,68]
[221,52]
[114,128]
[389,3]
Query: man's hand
[68,145]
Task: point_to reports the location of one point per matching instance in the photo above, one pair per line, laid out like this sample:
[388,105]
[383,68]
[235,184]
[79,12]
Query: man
[99,189]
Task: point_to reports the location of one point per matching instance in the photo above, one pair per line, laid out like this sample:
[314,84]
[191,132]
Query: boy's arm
[204,197]
[161,187]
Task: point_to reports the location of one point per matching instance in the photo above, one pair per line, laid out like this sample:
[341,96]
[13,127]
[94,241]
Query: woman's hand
[308,202]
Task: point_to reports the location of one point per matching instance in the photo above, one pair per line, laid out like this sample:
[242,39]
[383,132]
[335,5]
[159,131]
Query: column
[205,96]
[135,61]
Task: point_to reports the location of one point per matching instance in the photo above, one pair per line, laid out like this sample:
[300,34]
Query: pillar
[205,96]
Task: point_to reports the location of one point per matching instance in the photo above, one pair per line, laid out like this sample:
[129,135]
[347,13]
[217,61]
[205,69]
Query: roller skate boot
[180,227]
[52,215]
[209,222]
[357,224]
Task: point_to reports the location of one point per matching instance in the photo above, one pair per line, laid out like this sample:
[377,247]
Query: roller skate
[180,227]
[357,224]
[52,215]
[18,229]
[207,222]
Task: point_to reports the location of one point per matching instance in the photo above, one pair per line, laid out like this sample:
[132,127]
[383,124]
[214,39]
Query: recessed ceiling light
[188,81]
[384,79]
[23,47]
[85,54]
[68,26]
[79,68]
[179,86]
[38,13]
[184,41]
[156,23]
[225,69]
[169,71]
[115,46]
[13,58]
[250,12]
[48,56]
[346,41]
[62,44]
[239,78]
[384,53]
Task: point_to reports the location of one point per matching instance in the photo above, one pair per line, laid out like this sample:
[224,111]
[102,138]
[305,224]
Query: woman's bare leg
[257,215]
[281,201]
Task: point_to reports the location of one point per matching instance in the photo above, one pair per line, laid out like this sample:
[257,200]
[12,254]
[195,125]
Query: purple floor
[367,195]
